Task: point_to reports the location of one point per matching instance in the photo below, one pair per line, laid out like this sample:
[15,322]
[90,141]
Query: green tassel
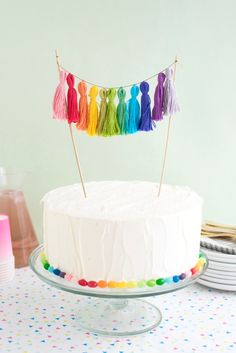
[121,112]
[110,126]
[103,109]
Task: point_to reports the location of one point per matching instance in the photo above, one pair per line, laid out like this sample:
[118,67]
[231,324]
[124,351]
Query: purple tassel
[157,111]
[146,117]
[171,105]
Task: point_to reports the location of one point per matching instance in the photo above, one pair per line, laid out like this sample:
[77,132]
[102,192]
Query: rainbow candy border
[124,285]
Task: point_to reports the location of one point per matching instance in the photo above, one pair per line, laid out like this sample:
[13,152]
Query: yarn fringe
[92,111]
[146,116]
[110,126]
[170,105]
[121,112]
[72,108]
[133,110]
[157,111]
[83,107]
[103,109]
[59,99]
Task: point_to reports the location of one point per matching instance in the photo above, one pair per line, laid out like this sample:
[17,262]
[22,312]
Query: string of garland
[104,118]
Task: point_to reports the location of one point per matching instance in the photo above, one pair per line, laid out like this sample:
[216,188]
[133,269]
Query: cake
[122,235]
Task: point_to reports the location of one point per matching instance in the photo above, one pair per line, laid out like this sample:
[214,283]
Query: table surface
[36,318]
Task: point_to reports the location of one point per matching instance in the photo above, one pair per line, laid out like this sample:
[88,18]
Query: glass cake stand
[113,312]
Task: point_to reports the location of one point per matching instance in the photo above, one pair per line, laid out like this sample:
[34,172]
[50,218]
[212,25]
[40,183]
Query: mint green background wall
[114,42]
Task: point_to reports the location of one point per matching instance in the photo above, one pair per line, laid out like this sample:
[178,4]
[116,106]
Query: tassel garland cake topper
[98,114]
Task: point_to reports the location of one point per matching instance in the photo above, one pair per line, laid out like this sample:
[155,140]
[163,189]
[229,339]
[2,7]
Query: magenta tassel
[59,100]
[170,105]
[72,109]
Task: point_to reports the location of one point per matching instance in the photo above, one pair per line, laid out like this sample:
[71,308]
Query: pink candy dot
[188,273]
[68,277]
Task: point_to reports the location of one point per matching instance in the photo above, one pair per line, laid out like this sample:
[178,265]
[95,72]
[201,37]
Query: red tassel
[72,106]
[59,100]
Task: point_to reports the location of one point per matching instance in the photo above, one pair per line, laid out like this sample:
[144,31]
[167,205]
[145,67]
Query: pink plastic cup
[7,263]
[6,253]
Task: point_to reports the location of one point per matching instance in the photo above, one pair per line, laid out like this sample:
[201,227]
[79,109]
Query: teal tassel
[133,110]
[121,113]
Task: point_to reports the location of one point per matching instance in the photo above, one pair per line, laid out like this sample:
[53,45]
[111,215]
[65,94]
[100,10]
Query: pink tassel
[59,100]
[72,109]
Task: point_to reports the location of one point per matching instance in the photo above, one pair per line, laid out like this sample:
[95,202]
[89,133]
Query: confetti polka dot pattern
[36,318]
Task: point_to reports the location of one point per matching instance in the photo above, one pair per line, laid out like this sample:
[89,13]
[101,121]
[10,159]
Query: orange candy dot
[112,284]
[197,268]
[102,284]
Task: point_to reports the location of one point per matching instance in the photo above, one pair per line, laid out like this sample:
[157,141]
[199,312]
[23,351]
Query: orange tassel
[83,107]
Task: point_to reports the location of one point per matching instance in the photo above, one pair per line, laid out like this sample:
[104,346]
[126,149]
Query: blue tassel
[146,116]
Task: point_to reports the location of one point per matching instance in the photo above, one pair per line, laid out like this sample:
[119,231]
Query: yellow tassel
[92,111]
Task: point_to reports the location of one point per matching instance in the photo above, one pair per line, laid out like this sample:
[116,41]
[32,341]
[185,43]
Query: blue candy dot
[175,279]
[56,271]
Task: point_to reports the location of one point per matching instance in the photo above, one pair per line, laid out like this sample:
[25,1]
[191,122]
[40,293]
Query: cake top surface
[121,200]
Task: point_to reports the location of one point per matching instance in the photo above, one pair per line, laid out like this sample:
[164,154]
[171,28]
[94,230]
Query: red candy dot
[193,270]
[92,284]
[83,282]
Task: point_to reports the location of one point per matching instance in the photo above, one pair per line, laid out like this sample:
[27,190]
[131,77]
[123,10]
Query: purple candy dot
[182,276]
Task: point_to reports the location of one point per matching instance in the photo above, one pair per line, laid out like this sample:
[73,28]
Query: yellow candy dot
[121,285]
[112,284]
[132,284]
[42,256]
[201,262]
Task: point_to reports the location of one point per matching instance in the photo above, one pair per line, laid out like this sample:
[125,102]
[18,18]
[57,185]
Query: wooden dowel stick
[167,138]
[73,141]
[77,160]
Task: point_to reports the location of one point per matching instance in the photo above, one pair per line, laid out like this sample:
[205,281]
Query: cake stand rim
[112,293]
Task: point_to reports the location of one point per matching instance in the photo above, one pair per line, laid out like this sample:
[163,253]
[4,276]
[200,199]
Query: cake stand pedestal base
[117,317]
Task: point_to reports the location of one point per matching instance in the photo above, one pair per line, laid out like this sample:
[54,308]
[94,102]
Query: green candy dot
[131,284]
[141,284]
[44,261]
[160,281]
[151,283]
[46,265]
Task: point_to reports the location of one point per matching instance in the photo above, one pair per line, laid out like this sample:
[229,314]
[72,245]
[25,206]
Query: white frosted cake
[122,234]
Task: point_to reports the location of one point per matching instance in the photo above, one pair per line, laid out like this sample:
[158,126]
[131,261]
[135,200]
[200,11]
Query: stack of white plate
[221,272]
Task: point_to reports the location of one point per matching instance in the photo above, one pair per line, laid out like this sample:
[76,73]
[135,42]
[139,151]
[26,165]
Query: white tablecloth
[36,318]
